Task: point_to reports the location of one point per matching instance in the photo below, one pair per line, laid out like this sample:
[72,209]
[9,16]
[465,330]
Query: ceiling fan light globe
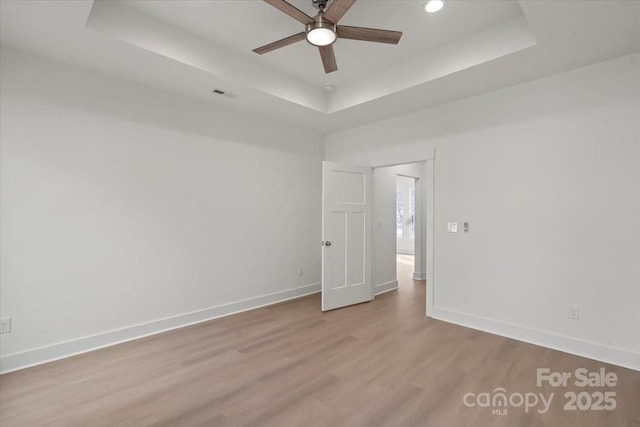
[321,37]
[321,33]
[433,6]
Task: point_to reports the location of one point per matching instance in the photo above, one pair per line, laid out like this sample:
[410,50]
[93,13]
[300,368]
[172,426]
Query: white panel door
[346,235]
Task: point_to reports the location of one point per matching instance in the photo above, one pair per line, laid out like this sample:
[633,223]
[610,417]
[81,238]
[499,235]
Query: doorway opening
[405,215]
[405,229]
[408,219]
[400,226]
[360,233]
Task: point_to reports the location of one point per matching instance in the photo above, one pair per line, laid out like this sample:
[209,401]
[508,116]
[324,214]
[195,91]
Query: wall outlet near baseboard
[574,312]
[5,325]
[300,272]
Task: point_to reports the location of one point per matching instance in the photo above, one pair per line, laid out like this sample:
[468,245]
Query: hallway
[404,274]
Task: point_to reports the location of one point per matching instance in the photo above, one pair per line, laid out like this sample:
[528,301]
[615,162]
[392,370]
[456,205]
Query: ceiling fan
[322,30]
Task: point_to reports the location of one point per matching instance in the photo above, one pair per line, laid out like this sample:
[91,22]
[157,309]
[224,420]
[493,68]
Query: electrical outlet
[5,325]
[574,312]
[300,272]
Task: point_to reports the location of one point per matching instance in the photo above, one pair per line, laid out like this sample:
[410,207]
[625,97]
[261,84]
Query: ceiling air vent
[219,92]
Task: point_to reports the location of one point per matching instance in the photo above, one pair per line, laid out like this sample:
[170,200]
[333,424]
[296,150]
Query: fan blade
[369,34]
[328,59]
[280,43]
[337,9]
[290,10]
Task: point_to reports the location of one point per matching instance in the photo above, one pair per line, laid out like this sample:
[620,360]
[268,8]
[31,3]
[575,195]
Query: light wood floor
[377,364]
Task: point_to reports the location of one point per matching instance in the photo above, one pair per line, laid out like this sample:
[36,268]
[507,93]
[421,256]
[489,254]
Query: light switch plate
[574,312]
[452,227]
[5,325]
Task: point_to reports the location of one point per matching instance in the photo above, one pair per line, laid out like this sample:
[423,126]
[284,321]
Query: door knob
[327,243]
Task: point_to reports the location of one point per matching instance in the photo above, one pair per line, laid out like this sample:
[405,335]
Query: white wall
[548,176]
[126,210]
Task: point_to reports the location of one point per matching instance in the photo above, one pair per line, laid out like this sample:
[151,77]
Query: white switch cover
[452,227]
[5,325]
[574,312]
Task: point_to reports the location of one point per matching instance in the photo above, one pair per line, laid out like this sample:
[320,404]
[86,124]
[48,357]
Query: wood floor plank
[377,364]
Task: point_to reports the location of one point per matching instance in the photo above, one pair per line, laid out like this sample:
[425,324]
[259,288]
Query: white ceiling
[189,47]
[244,25]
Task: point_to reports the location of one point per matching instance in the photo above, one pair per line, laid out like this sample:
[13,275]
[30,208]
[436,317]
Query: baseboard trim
[417,275]
[615,356]
[38,356]
[385,287]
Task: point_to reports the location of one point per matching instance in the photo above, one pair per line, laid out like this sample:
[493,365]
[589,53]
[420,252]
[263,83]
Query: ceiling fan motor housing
[320,4]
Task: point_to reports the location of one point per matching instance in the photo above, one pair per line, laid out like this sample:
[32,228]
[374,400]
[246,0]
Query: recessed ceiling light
[432,6]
